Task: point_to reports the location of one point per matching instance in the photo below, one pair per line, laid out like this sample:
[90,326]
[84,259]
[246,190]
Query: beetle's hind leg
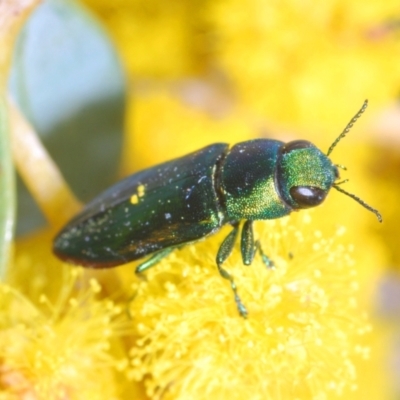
[145,265]
[223,253]
[153,260]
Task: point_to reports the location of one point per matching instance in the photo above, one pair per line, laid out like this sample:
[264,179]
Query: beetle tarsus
[265,259]
[240,306]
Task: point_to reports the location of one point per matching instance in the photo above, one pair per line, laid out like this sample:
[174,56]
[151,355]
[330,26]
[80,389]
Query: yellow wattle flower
[301,338]
[62,350]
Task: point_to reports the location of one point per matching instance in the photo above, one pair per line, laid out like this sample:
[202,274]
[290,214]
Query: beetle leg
[153,260]
[223,253]
[247,246]
[266,260]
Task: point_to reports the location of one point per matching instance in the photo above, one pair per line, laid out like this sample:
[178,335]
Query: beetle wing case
[164,206]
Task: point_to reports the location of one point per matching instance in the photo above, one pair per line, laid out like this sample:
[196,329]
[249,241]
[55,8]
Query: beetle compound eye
[307,196]
[336,172]
[296,145]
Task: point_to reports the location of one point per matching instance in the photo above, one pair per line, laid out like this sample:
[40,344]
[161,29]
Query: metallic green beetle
[181,201]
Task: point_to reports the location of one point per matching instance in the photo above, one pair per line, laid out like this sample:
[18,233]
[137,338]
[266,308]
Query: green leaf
[67,80]
[7,196]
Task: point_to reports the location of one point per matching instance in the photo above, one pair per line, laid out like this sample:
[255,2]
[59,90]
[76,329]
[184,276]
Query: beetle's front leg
[223,253]
[249,247]
[266,260]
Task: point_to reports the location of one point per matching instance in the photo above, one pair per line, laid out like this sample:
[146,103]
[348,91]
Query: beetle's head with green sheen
[304,175]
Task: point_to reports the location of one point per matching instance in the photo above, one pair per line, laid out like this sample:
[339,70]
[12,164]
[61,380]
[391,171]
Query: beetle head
[305,174]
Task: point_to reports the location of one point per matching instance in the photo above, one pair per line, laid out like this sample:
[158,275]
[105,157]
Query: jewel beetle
[159,209]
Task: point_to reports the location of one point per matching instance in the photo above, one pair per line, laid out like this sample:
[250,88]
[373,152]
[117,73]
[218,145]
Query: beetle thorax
[248,181]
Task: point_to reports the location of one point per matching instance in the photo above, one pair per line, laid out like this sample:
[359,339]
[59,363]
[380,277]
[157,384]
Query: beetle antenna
[341,182]
[344,168]
[348,127]
[359,201]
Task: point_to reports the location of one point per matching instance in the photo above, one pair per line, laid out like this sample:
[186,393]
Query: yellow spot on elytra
[139,193]
[140,190]
[134,199]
